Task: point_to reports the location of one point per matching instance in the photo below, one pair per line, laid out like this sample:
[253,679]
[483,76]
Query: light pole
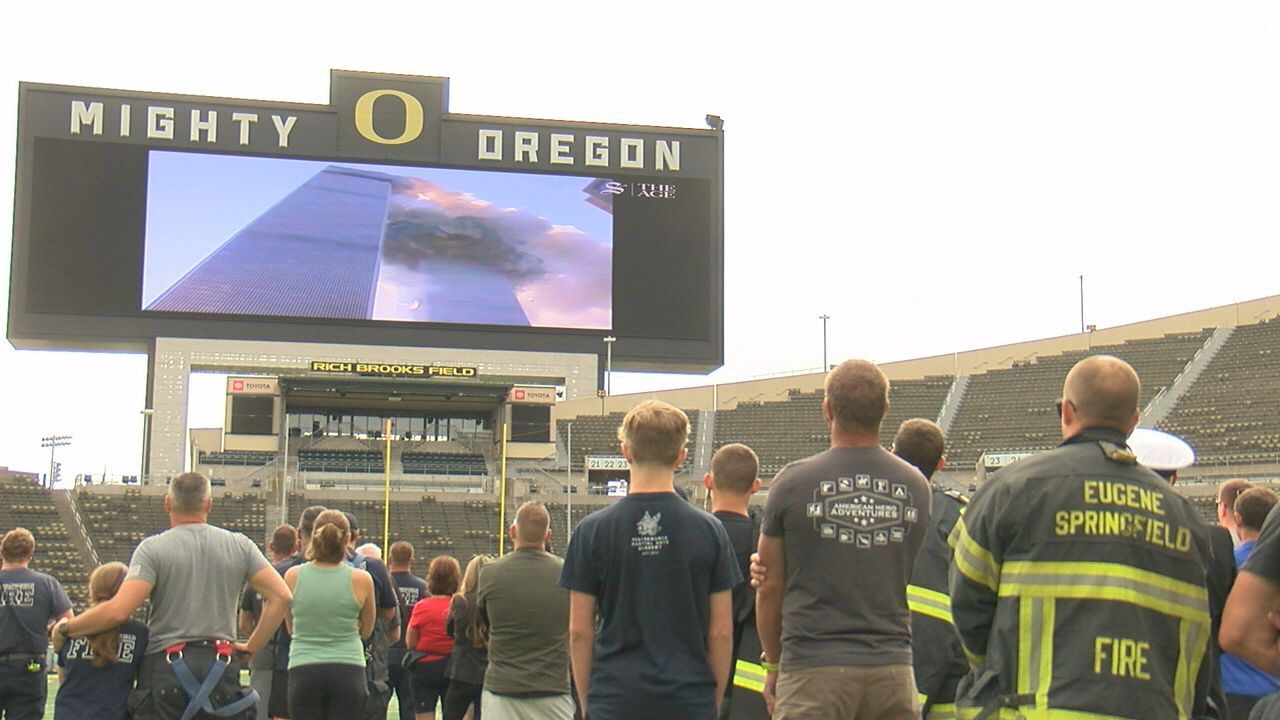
[1081,303]
[53,442]
[146,444]
[608,364]
[824,318]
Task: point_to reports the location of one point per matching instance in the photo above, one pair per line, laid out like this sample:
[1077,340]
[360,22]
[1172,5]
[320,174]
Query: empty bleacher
[236,457]
[787,430]
[1012,409]
[341,455]
[1230,414]
[441,458]
[597,435]
[117,522]
[461,528]
[29,506]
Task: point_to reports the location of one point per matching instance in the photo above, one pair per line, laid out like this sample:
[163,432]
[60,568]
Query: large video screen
[252,236]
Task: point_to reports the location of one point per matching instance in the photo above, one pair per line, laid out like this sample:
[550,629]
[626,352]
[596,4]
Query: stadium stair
[704,444]
[1167,399]
[79,537]
[951,406]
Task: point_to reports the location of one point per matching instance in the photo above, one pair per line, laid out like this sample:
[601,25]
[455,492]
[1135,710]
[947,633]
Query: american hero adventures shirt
[852,521]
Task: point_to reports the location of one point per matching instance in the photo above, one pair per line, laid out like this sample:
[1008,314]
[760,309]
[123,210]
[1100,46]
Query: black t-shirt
[410,588]
[251,602]
[652,561]
[744,533]
[90,693]
[1265,560]
[31,600]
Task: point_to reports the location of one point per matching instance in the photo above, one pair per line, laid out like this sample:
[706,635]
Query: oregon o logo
[413,117]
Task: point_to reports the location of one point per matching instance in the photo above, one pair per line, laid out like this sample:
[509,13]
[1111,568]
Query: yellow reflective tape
[1192,646]
[745,684]
[1047,621]
[973,560]
[1026,630]
[971,713]
[748,676]
[942,711]
[929,602]
[1198,649]
[1106,581]
[1190,591]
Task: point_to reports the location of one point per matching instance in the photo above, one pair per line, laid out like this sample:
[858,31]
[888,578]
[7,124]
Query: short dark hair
[920,443]
[443,575]
[859,395]
[307,520]
[284,540]
[1253,505]
[734,468]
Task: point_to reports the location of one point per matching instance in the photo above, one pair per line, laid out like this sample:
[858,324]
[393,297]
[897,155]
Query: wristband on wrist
[768,666]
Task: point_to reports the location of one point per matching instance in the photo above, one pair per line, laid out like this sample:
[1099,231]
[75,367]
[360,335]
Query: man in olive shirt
[528,617]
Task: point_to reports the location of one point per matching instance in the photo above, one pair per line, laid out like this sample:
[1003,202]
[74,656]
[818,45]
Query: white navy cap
[1160,450]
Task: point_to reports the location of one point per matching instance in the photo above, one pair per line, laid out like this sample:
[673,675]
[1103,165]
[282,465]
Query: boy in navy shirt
[659,572]
[96,673]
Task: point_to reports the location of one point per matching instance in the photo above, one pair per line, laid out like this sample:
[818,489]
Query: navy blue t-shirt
[284,641]
[652,561]
[31,601]
[410,589]
[90,693]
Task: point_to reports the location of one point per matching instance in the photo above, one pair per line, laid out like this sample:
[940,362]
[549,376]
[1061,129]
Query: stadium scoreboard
[378,219]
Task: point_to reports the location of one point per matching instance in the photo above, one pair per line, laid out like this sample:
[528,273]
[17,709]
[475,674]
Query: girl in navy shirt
[97,672]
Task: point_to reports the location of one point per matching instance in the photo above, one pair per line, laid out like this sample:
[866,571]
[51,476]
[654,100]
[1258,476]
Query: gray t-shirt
[528,617]
[851,521]
[196,572]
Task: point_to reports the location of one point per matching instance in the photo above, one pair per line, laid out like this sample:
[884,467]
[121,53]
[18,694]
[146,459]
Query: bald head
[1102,391]
[532,521]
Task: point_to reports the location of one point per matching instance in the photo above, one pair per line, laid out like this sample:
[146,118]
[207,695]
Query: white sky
[933,175]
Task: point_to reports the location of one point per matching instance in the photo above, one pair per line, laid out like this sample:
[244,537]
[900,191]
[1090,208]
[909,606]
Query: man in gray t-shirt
[193,574]
[841,531]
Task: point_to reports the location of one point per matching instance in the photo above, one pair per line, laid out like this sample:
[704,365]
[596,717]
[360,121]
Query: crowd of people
[1074,584]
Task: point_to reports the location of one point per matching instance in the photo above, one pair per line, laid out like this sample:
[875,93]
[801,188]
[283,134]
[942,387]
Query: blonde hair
[656,432]
[476,631]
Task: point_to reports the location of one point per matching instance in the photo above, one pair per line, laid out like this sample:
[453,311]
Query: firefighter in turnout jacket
[1078,587]
[937,657]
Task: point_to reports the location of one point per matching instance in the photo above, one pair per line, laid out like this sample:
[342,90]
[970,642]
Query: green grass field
[393,710]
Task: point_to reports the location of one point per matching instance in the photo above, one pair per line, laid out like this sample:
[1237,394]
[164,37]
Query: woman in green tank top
[332,612]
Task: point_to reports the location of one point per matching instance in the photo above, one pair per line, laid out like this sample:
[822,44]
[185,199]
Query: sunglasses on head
[1057,405]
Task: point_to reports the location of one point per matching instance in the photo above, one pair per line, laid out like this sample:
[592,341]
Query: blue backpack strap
[198,693]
